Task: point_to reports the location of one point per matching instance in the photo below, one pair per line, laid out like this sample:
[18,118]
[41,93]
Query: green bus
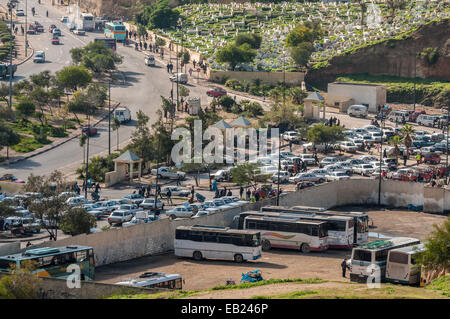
[53,262]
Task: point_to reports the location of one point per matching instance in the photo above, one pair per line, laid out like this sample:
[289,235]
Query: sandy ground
[277,263]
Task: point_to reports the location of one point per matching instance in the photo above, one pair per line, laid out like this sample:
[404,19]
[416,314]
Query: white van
[357,110]
[398,116]
[181,77]
[123,114]
[427,120]
[149,60]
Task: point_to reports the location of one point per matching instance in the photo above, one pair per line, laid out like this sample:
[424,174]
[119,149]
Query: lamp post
[87,156]
[10,7]
[279,135]
[26,28]
[177,77]
[446,148]
[381,157]
[109,117]
[415,68]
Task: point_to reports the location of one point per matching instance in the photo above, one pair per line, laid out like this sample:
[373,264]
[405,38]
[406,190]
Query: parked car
[413,116]
[201,213]
[431,158]
[149,60]
[119,217]
[308,159]
[222,175]
[25,226]
[149,203]
[210,206]
[51,28]
[265,191]
[175,190]
[310,177]
[123,114]
[94,212]
[291,136]
[303,185]
[39,57]
[77,200]
[180,212]
[427,120]
[135,221]
[99,207]
[31,30]
[329,160]
[284,177]
[368,158]
[216,92]
[166,172]
[134,198]
[346,146]
[337,176]
[179,77]
[20,12]
[235,200]
[357,110]
[319,171]
[132,208]
[363,169]
[11,178]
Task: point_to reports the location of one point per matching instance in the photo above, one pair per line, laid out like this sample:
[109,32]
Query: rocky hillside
[394,57]
[114,8]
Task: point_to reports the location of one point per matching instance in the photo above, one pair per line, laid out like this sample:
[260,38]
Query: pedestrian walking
[241,191]
[192,191]
[179,181]
[145,46]
[169,197]
[418,158]
[193,62]
[344,267]
[257,196]
[28,244]
[217,194]
[230,193]
[140,45]
[190,71]
[405,157]
[248,194]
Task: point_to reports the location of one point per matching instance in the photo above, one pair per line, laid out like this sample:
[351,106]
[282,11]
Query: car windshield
[117,214]
[124,207]
[367,166]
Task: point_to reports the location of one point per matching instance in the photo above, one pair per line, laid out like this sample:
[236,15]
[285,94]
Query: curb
[27,58]
[63,142]
[24,240]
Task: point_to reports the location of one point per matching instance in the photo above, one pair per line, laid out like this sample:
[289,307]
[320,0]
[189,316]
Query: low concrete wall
[120,244]
[9,248]
[292,78]
[11,188]
[54,288]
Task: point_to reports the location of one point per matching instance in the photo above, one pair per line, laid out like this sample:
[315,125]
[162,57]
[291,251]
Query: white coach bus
[214,242]
[292,233]
[401,265]
[370,259]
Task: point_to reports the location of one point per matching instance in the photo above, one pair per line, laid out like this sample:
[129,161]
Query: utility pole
[109,117]
[178,76]
[87,156]
[446,158]
[10,7]
[381,158]
[279,135]
[26,28]
[415,68]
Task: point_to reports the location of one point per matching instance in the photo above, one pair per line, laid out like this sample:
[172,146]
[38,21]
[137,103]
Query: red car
[413,117]
[265,191]
[31,30]
[39,28]
[90,131]
[432,158]
[216,92]
[56,41]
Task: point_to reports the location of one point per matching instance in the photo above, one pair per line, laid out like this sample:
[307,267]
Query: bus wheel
[197,255]
[305,248]
[238,258]
[266,245]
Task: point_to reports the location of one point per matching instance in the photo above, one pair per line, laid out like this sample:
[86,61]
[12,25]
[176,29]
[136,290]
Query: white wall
[362,94]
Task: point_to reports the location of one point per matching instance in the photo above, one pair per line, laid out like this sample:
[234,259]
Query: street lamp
[180,23]
[10,7]
[87,156]
[109,117]
[381,156]
[279,135]
[26,28]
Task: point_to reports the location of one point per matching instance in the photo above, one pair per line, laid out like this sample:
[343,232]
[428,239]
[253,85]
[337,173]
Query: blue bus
[116,31]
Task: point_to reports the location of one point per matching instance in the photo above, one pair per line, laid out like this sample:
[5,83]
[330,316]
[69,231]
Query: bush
[254,109]
[57,132]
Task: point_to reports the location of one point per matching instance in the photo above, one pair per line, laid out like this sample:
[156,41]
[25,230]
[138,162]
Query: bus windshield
[362,255]
[399,258]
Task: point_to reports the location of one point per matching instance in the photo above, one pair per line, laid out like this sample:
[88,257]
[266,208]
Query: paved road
[141,91]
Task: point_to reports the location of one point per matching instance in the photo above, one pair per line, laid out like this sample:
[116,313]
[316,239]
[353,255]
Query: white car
[376,136]
[119,217]
[220,203]
[368,139]
[284,177]
[334,168]
[94,212]
[291,136]
[337,176]
[360,131]
[78,200]
[235,200]
[179,212]
[308,159]
[372,128]
[368,158]
[377,165]
[347,146]
[329,160]
[79,31]
[357,141]
[149,203]
[39,57]
[319,171]
[175,191]
[363,169]
[201,213]
[357,110]
[210,206]
[64,19]
[166,172]
[132,208]
[20,13]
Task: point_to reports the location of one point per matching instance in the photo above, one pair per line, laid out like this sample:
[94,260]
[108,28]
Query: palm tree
[407,132]
[395,141]
[115,126]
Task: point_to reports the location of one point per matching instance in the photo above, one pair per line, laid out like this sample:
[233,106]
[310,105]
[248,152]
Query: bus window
[350,223]
[381,255]
[82,256]
[210,237]
[238,240]
[323,232]
[315,231]
[398,258]
[251,225]
[196,236]
[181,234]
[362,255]
[224,239]
[178,283]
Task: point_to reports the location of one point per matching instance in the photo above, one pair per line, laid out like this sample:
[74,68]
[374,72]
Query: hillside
[394,57]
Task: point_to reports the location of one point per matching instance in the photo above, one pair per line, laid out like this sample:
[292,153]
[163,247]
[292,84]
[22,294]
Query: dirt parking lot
[277,263]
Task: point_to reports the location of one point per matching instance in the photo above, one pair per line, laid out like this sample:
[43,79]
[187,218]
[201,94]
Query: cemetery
[208,27]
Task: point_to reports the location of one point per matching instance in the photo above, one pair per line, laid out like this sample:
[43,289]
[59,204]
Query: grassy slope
[438,289]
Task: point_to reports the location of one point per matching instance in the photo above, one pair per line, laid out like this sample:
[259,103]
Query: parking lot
[278,263]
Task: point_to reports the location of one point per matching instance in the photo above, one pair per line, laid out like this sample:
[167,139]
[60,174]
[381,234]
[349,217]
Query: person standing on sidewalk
[344,267]
[169,197]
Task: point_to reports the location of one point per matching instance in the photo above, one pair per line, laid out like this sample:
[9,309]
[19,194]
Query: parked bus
[360,219]
[287,232]
[214,242]
[87,22]
[116,31]
[109,42]
[155,280]
[370,259]
[340,228]
[401,265]
[53,262]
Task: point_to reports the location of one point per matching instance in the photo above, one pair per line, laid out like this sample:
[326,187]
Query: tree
[160,42]
[233,54]
[363,7]
[6,210]
[246,173]
[141,30]
[40,97]
[141,139]
[74,77]
[436,258]
[395,141]
[297,95]
[98,167]
[322,134]
[253,109]
[4,92]
[21,283]
[25,109]
[254,40]
[407,132]
[394,5]
[99,63]
[283,116]
[226,102]
[8,138]
[183,91]
[115,127]
[78,221]
[163,17]
[301,53]
[298,35]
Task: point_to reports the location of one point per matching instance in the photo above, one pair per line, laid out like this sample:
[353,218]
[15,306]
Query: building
[342,95]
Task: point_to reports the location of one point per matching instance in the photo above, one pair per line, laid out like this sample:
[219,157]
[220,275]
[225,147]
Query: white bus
[292,233]
[401,265]
[370,259]
[155,280]
[340,228]
[214,242]
[87,22]
[360,219]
